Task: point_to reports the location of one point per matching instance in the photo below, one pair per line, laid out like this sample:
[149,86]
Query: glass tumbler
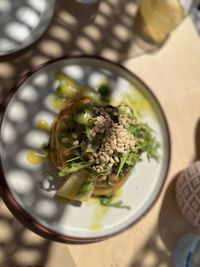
[156,19]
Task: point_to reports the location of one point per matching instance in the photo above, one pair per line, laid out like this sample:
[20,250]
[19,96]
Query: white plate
[22,22]
[29,192]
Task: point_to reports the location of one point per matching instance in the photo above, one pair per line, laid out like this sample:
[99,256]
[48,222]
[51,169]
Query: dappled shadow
[30,104]
[172,224]
[152,254]
[22,136]
[105,29]
[22,22]
[18,246]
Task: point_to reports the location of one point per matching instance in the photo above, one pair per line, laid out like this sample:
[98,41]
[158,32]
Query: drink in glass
[157,18]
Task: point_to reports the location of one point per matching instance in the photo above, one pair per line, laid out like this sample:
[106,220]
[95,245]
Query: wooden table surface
[173,74]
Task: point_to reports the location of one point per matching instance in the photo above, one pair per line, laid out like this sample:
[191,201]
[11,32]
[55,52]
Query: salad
[95,145]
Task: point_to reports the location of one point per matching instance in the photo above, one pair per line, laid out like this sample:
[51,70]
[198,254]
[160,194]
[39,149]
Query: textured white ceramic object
[188,193]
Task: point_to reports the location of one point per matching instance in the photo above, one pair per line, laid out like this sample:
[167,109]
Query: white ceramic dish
[27,192]
[22,22]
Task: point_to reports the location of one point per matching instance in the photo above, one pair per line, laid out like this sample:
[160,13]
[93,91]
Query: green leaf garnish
[69,160]
[72,148]
[145,140]
[122,162]
[88,185]
[108,201]
[72,167]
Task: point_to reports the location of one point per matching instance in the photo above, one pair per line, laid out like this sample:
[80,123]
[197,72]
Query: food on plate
[94,146]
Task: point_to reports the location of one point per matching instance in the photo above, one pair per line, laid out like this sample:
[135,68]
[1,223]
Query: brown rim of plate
[25,218]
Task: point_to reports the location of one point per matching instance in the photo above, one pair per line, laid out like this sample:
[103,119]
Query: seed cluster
[116,140]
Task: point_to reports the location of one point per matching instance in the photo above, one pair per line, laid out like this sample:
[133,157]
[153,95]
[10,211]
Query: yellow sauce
[57,103]
[36,158]
[43,125]
[99,215]
[139,102]
[118,193]
[100,212]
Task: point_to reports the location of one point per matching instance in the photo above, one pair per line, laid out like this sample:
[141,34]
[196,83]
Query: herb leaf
[88,186]
[145,140]
[108,201]
[72,167]
[122,162]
